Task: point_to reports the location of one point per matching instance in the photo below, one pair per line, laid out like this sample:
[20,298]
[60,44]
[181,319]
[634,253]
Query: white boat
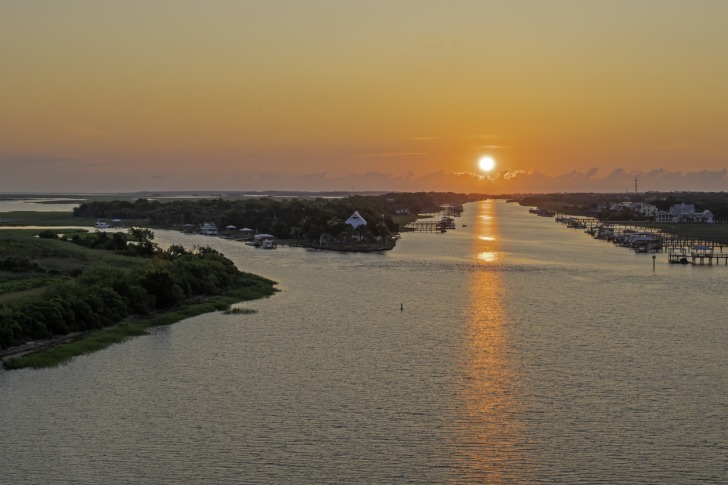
[208,229]
[267,244]
[102,224]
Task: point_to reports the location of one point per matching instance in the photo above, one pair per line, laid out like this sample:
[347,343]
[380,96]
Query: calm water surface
[36,205]
[526,353]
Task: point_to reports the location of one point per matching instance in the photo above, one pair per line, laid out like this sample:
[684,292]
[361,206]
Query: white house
[645,209]
[680,213]
[683,209]
[663,216]
[705,217]
[356,220]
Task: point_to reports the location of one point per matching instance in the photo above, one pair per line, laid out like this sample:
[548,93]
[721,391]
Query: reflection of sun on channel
[488,256]
[486,238]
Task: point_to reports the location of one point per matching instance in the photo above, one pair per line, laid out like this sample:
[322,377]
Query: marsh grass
[63,353]
[101,339]
[40,218]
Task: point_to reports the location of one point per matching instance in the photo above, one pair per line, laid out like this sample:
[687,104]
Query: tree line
[306,218]
[588,204]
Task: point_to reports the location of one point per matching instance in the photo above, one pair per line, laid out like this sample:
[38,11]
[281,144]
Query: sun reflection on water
[488,256]
[488,430]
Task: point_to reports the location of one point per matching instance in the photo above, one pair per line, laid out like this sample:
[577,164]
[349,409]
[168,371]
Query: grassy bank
[710,232]
[101,339]
[38,218]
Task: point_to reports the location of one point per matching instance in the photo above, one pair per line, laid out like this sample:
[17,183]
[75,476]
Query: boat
[364,248]
[208,229]
[102,224]
[267,244]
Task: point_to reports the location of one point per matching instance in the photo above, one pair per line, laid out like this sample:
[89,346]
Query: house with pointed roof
[356,220]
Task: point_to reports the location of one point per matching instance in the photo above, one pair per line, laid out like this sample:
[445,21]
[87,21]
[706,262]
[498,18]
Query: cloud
[618,180]
[59,174]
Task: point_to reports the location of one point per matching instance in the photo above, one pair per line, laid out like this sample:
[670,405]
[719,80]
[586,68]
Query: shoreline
[61,350]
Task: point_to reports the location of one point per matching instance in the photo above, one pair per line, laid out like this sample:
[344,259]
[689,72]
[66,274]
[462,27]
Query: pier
[698,255]
[426,226]
[681,249]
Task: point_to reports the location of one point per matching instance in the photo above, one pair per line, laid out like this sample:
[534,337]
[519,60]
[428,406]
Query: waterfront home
[684,213]
[645,209]
[356,220]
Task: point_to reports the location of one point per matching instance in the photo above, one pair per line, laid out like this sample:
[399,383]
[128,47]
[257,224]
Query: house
[356,220]
[684,213]
[705,217]
[645,209]
[663,217]
[642,208]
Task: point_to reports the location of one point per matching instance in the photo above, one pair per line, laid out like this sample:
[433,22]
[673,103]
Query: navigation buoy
[401,307]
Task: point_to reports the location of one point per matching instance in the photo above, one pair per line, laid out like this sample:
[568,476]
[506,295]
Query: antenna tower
[635,185]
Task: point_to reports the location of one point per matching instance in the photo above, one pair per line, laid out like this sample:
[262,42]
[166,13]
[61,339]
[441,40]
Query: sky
[395,95]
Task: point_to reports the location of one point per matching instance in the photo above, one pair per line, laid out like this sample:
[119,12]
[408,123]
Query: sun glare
[486,163]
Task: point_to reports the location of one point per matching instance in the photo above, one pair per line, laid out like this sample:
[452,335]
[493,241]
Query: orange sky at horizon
[167,95]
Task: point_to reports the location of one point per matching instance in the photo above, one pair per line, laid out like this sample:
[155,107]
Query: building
[645,209]
[684,214]
[356,220]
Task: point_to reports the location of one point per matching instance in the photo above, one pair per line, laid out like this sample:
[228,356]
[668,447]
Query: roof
[356,220]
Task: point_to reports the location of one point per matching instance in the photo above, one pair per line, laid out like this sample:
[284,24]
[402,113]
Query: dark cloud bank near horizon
[59,175]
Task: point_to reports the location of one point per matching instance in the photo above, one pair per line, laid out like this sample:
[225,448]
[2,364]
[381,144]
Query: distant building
[642,208]
[684,214]
[356,220]
[663,217]
[645,209]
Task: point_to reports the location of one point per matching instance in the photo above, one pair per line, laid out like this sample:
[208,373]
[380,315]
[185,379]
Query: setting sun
[486,163]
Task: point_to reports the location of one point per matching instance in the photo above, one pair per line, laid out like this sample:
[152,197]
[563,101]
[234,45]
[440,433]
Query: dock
[697,255]
[680,249]
[425,226]
[431,225]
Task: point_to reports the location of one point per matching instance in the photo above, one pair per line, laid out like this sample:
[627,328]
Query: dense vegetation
[53,286]
[283,218]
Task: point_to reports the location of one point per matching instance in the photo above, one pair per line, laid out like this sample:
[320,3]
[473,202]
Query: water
[526,353]
[36,205]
